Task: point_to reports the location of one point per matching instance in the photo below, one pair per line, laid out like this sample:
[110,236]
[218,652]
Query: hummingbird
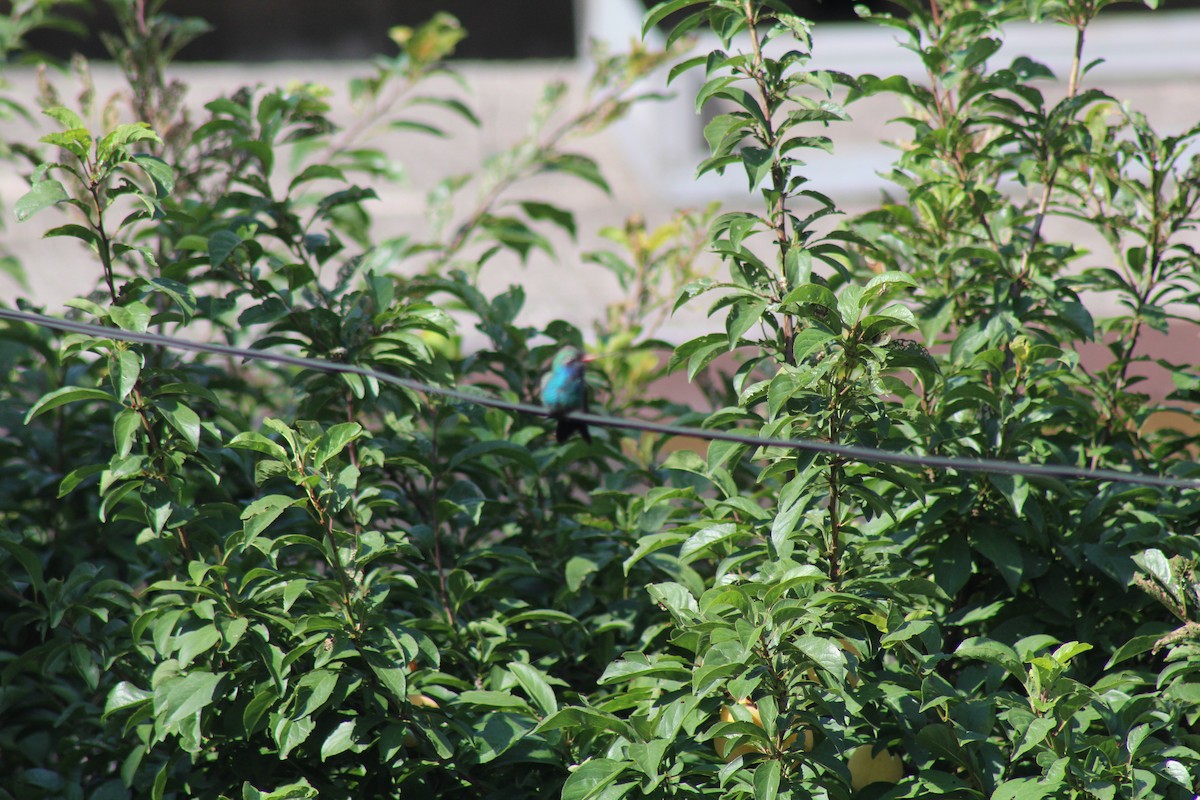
[564,390]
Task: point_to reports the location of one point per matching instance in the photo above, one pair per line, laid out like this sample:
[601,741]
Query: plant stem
[1035,231]
[105,245]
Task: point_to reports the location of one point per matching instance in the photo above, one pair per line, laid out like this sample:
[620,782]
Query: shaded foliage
[227,579]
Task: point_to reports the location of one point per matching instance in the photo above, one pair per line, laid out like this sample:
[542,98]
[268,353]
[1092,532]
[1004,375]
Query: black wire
[844,451]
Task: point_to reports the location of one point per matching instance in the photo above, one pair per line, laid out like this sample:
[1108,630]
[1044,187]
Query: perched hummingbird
[564,389]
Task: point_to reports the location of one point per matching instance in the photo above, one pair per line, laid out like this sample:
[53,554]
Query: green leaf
[591,778]
[766,780]
[744,314]
[541,615]
[221,245]
[1003,552]
[64,117]
[450,104]
[46,779]
[79,232]
[664,10]
[314,690]
[973,615]
[178,698]
[1033,735]
[653,543]
[301,790]
[577,570]
[705,539]
[1158,566]
[551,213]
[992,652]
[341,740]
[160,173]
[1024,789]
[134,317]
[826,654]
[885,282]
[252,440]
[291,733]
[76,141]
[315,172]
[577,718]
[392,675]
[809,340]
[636,665]
[1067,651]
[504,449]
[60,397]
[262,512]
[1014,488]
[579,166]
[160,781]
[123,696]
[117,141]
[184,299]
[126,366]
[758,162]
[44,193]
[698,353]
[938,738]
[77,476]
[724,132]
[648,756]
[185,421]
[491,699]
[334,440]
[293,590]
[814,294]
[535,686]
[675,598]
[350,196]
[28,561]
[685,66]
[1135,647]
[793,502]
[193,643]
[498,732]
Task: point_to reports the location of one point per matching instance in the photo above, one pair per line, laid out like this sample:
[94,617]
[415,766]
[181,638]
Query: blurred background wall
[514,49]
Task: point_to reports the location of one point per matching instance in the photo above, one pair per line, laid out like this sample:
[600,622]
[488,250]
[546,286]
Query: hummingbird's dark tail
[568,426]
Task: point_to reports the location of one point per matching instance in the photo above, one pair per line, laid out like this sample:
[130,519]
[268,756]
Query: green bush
[228,577]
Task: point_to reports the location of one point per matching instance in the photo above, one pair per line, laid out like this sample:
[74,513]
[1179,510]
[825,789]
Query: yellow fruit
[721,743]
[867,767]
[423,701]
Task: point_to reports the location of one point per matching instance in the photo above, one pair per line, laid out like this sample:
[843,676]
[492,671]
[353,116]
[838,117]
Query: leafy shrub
[228,577]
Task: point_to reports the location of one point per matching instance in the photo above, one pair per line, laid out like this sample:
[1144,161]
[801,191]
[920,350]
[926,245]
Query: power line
[848,452]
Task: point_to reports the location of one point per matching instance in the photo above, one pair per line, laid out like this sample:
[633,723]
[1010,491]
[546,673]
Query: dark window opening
[274,30]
